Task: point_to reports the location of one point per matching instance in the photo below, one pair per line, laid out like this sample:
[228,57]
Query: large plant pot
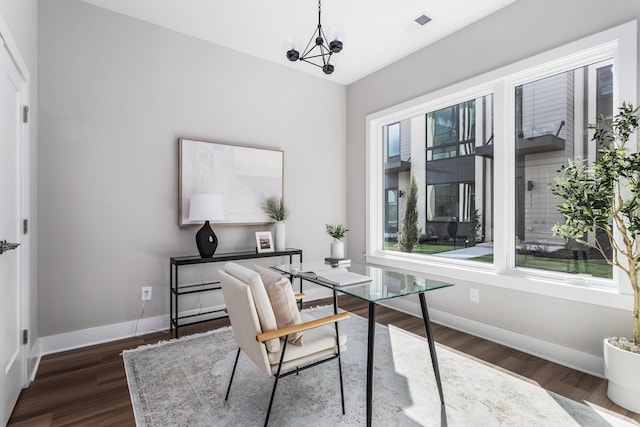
[622,369]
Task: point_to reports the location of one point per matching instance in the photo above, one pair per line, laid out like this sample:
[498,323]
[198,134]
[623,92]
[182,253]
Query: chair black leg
[275,383]
[232,374]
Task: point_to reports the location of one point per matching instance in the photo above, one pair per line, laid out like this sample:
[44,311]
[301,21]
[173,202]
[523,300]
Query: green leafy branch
[605,196]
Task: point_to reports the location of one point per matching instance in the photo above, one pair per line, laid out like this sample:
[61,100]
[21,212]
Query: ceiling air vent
[416,24]
[422,19]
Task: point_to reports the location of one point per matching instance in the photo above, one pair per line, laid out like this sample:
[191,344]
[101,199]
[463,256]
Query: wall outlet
[474,295]
[146,293]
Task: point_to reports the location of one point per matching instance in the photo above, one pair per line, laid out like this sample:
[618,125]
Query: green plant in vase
[337,232]
[275,209]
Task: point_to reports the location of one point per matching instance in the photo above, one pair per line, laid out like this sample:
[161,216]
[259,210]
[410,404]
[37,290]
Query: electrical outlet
[146,293]
[474,295]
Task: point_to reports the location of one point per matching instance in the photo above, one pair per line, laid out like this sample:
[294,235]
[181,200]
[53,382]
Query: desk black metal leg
[370,350]
[432,346]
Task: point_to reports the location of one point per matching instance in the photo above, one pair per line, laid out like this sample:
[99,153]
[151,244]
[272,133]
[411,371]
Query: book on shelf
[338,276]
[346,262]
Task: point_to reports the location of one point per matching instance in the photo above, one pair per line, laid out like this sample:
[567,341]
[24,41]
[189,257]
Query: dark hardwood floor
[88,386]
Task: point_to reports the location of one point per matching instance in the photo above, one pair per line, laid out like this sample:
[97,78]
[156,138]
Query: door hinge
[25,226]
[25,336]
[25,114]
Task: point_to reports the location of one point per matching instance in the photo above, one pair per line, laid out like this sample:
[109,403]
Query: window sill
[572,288]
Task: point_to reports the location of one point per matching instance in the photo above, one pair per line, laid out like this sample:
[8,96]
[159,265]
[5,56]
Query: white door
[11,274]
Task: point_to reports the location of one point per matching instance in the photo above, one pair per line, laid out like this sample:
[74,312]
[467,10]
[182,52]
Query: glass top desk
[385,284]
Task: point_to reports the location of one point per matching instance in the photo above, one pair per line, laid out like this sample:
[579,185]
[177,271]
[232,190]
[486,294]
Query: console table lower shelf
[176,320]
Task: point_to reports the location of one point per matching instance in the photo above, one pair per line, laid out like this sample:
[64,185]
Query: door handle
[4,246]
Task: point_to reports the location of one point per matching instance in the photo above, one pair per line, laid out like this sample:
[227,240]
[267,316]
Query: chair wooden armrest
[279,333]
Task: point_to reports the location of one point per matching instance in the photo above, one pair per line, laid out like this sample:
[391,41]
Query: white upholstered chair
[256,331]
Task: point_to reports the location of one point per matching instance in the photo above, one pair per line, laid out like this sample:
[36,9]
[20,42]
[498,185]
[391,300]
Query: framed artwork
[264,241]
[243,176]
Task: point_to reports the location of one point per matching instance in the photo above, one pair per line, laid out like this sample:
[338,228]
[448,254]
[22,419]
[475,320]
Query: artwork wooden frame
[264,241]
[245,176]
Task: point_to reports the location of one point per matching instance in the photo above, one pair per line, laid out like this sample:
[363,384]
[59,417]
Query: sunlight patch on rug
[183,382]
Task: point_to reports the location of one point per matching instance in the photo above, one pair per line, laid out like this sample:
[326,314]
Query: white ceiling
[375,32]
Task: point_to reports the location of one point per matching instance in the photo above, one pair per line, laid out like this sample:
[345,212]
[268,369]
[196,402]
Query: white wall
[115,95]
[559,329]
[21,16]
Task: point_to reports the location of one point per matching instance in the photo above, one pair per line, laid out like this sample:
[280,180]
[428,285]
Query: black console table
[175,320]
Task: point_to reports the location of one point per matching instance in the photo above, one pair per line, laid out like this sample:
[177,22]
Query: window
[483,154]
[442,202]
[393,140]
[391,214]
[444,126]
[397,163]
[451,131]
[551,120]
[449,215]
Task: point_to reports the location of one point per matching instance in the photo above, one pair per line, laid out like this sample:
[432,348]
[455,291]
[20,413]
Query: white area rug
[183,382]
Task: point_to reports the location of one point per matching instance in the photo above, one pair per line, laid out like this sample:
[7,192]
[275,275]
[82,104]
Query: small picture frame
[264,241]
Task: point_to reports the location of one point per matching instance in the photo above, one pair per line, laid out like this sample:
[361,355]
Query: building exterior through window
[449,152]
[439,149]
[551,121]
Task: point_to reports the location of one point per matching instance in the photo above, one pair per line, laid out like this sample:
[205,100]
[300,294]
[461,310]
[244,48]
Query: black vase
[206,241]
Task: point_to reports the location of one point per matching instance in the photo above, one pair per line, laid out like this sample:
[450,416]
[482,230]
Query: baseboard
[571,358]
[102,334]
[33,361]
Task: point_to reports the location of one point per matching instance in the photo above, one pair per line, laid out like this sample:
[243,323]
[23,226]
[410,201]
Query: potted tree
[602,207]
[337,232]
[275,209]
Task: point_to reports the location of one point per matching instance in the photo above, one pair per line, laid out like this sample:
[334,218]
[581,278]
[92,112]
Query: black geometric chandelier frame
[317,52]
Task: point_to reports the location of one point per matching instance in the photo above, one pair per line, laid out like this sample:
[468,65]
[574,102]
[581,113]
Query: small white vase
[280,232]
[622,369]
[337,249]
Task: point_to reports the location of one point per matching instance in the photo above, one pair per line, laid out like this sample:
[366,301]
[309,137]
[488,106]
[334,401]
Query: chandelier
[317,52]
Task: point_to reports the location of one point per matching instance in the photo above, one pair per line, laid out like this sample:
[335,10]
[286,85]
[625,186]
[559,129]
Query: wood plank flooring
[88,387]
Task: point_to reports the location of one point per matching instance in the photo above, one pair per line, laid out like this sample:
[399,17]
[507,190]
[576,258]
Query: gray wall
[115,95]
[21,16]
[523,29]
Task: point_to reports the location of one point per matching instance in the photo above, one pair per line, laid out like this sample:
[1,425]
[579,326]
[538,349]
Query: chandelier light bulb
[293,55]
[328,68]
[335,46]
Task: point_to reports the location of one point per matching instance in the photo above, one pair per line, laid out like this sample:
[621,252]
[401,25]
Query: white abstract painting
[243,176]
